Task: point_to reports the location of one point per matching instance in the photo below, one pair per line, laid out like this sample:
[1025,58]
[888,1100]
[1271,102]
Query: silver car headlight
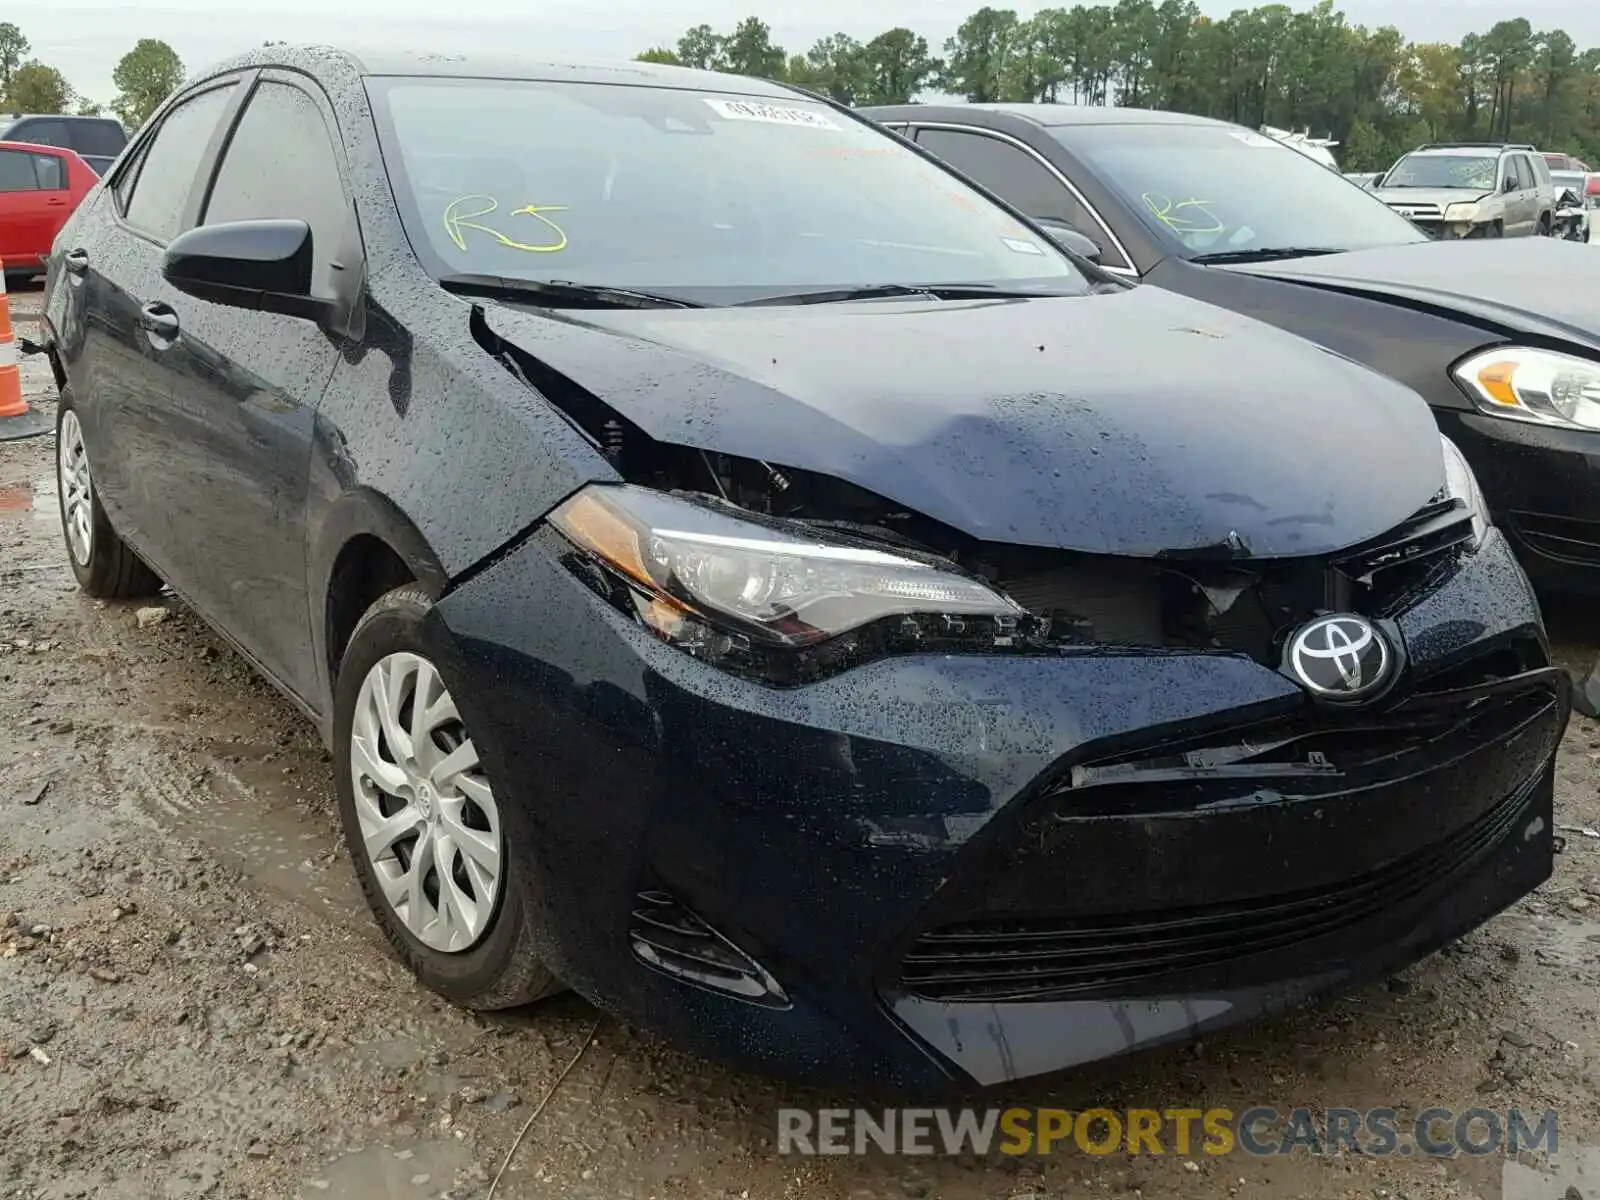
[1462,212]
[1527,384]
[777,600]
[1461,484]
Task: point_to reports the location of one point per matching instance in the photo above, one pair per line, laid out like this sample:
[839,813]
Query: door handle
[76,262]
[159,319]
[55,203]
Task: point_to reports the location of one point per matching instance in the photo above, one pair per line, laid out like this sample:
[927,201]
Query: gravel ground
[193,1001]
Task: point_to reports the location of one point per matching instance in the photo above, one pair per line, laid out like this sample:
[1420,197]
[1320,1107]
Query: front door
[242,421]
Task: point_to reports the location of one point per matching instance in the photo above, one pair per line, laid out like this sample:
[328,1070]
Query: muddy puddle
[277,829]
[22,500]
[417,1169]
[1572,1171]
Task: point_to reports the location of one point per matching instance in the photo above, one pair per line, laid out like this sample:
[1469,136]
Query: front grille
[1196,864]
[1244,605]
[1066,959]
[1564,538]
[1420,212]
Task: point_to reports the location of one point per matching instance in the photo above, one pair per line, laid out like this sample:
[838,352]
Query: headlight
[1461,484]
[1534,385]
[1461,212]
[776,600]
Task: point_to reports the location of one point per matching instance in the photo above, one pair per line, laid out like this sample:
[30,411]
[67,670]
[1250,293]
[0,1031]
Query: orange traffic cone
[11,402]
[15,419]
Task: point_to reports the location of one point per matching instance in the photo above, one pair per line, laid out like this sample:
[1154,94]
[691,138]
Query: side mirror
[1510,185]
[1377,179]
[1068,238]
[264,266]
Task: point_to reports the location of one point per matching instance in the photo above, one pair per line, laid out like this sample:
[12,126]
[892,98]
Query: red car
[39,188]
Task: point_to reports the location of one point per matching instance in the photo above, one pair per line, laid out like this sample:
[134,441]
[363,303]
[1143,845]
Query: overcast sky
[85,39]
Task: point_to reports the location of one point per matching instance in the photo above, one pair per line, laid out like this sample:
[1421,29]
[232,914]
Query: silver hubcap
[429,825]
[76,492]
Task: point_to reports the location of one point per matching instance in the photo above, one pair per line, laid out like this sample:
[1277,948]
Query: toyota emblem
[1340,658]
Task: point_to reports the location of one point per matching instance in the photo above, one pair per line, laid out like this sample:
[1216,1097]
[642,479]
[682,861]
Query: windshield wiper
[932,291]
[561,293]
[1264,254]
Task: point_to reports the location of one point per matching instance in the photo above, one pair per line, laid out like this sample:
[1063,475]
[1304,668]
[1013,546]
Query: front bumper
[832,833]
[1543,486]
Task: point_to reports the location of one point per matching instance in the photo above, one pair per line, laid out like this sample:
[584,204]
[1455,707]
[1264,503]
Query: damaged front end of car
[856,795]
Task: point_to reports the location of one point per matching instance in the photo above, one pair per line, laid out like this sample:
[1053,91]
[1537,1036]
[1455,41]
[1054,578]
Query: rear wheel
[1544,225]
[433,853]
[105,566]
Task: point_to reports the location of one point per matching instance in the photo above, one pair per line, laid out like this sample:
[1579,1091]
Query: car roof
[379,61]
[1052,115]
[1467,151]
[7,119]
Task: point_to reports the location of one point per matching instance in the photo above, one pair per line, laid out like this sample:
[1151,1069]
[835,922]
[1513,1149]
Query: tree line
[144,77]
[1372,89]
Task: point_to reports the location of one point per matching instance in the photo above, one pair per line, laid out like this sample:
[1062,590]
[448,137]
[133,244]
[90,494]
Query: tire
[494,966]
[1544,225]
[1496,230]
[105,566]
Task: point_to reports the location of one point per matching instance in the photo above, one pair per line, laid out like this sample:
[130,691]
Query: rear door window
[171,162]
[51,172]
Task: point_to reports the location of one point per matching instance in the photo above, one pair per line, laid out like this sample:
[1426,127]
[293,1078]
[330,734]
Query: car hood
[1504,285]
[1406,197]
[1133,423]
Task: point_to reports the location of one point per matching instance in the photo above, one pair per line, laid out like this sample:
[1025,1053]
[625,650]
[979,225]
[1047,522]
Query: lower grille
[1564,538]
[1194,865]
[1063,959]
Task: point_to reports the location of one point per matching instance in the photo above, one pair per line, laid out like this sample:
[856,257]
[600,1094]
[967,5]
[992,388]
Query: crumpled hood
[1407,197]
[1130,423]
[1536,285]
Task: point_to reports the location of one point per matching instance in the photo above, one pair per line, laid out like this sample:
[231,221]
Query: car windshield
[1474,171]
[710,196]
[1215,189]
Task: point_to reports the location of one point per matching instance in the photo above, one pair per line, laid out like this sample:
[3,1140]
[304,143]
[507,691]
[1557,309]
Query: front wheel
[105,566]
[432,850]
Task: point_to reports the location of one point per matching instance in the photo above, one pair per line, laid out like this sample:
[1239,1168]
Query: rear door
[121,378]
[33,204]
[246,386]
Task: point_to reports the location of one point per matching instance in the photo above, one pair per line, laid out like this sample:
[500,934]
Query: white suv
[1460,189]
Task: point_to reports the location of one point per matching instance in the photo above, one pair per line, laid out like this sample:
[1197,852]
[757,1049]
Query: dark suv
[98,140]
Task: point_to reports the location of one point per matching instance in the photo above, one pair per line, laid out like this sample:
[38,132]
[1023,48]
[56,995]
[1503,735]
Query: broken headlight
[1461,484]
[774,599]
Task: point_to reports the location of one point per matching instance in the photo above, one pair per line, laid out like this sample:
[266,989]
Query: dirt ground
[194,1002]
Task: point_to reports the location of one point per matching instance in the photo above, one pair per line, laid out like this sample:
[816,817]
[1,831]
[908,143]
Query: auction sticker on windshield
[772,114]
